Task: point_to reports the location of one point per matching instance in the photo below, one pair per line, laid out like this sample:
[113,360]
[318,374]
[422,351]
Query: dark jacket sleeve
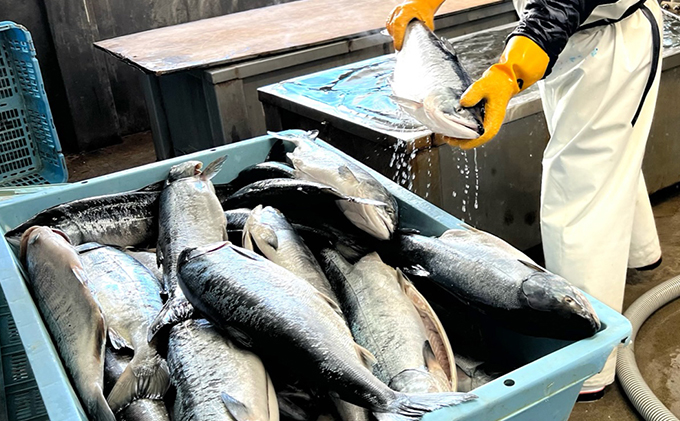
[550,23]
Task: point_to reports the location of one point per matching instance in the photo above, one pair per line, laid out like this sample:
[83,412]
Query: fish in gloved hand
[283,318]
[429,81]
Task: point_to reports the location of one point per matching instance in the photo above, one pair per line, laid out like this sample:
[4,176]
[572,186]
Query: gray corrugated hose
[645,401]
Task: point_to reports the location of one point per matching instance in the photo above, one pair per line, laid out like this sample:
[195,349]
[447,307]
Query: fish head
[378,220]
[260,230]
[445,115]
[39,236]
[192,253]
[184,170]
[561,302]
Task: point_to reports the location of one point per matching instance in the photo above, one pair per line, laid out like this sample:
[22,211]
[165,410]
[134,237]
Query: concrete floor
[657,344]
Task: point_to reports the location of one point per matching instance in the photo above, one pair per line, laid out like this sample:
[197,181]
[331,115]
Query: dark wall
[95,98]
[32,15]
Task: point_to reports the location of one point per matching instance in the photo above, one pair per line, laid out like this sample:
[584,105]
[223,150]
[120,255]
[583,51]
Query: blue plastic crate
[545,388]
[30,152]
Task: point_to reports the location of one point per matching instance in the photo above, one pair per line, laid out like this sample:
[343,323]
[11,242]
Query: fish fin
[146,377]
[345,172]
[406,103]
[153,187]
[437,339]
[533,266]
[213,168]
[331,302]
[416,270]
[175,310]
[236,408]
[404,282]
[239,336]
[431,361]
[413,406]
[278,151]
[366,356]
[117,341]
[99,408]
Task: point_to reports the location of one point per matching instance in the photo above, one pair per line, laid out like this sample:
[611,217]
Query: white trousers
[596,218]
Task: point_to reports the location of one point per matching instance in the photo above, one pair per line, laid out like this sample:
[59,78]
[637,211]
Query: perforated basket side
[21,394]
[30,152]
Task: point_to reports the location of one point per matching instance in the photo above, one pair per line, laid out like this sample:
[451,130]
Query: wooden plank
[253,33]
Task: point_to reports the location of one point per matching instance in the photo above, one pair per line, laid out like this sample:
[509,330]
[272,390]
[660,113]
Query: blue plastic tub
[542,390]
[30,152]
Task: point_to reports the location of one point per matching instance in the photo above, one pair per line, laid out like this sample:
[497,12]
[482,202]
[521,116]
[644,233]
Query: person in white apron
[597,64]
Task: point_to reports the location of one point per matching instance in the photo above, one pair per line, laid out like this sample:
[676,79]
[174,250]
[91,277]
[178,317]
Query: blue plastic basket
[30,152]
[544,389]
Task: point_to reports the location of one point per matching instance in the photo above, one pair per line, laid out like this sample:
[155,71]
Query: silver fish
[283,318]
[149,260]
[268,231]
[489,275]
[70,311]
[428,82]
[190,216]
[315,163]
[215,379]
[130,298]
[122,219]
[384,320]
[140,409]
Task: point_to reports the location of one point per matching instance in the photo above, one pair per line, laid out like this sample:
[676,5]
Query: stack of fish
[281,294]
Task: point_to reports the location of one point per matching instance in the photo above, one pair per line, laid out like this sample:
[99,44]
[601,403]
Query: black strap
[602,22]
[656,52]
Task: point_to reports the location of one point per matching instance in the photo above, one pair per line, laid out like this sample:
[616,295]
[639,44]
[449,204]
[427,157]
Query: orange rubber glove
[404,13]
[522,64]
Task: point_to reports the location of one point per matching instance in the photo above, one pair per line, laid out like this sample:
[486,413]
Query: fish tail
[411,407]
[278,152]
[175,310]
[99,409]
[146,377]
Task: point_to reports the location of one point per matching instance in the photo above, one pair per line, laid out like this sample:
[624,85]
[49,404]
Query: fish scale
[283,318]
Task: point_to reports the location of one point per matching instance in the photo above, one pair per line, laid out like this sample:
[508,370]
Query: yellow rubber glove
[404,13]
[522,64]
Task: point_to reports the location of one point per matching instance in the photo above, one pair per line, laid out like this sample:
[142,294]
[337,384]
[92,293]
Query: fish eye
[569,300]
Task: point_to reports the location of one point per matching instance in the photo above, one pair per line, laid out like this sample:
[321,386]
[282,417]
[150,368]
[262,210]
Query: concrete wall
[95,98]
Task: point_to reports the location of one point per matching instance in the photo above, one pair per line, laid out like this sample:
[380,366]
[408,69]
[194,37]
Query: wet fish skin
[385,321]
[148,259]
[204,365]
[315,163]
[498,281]
[428,82]
[129,296]
[121,219]
[60,287]
[226,283]
[267,231]
[140,409]
[190,216]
